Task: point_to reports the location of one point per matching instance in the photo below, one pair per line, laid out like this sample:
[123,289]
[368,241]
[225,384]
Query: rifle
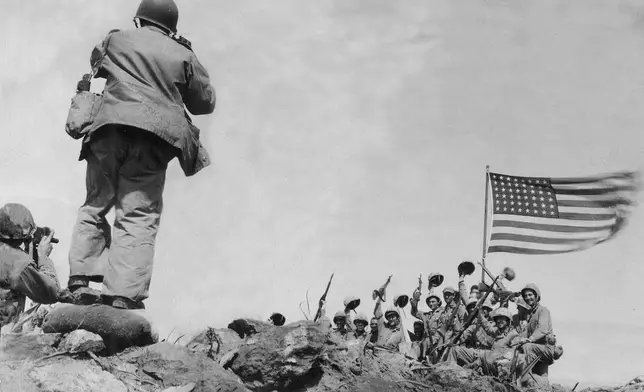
[450,320]
[504,294]
[420,284]
[470,318]
[318,314]
[380,293]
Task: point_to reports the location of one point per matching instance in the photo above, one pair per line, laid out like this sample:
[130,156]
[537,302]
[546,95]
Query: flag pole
[487,196]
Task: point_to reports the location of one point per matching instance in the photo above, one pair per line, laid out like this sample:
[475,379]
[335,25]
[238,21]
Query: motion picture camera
[42,232]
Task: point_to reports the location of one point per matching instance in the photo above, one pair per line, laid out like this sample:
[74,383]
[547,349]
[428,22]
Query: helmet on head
[339,315]
[449,290]
[434,295]
[487,304]
[521,303]
[361,318]
[163,13]
[278,319]
[502,312]
[532,287]
[16,222]
[391,311]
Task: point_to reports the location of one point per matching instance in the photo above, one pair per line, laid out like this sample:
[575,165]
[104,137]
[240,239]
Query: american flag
[537,215]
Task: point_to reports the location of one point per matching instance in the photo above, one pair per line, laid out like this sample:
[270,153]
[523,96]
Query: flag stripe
[592,217]
[586,210]
[551,234]
[580,213]
[593,191]
[593,203]
[551,228]
[525,251]
[540,240]
[550,247]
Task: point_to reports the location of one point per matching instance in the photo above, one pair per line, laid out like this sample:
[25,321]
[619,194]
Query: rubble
[82,341]
[301,356]
[19,346]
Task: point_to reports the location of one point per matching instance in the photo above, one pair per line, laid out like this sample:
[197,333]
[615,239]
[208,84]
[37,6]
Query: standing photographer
[25,267]
[152,78]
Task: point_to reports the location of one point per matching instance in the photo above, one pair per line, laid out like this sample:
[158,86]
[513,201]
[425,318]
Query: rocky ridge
[249,355]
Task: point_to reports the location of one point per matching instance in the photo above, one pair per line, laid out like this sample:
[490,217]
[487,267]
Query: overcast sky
[352,137]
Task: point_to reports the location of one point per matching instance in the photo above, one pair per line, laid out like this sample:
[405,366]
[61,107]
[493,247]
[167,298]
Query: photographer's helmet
[16,222]
[163,13]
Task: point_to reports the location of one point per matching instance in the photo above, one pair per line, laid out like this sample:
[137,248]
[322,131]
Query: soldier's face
[448,297]
[360,326]
[419,329]
[374,324]
[501,322]
[393,320]
[340,323]
[529,297]
[433,303]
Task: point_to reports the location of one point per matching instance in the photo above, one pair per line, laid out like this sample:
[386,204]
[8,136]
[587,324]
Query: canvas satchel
[85,104]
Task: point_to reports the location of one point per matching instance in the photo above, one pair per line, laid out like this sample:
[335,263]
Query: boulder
[172,365]
[249,327]
[68,375]
[119,328]
[81,341]
[224,340]
[19,346]
[281,358]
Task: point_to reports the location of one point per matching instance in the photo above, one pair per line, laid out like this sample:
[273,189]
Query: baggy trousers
[126,169]
[463,356]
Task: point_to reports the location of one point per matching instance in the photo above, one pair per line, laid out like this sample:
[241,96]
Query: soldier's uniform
[453,325]
[539,333]
[391,337]
[20,275]
[140,126]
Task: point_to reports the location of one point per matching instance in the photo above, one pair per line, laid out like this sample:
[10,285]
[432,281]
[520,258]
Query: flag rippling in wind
[536,215]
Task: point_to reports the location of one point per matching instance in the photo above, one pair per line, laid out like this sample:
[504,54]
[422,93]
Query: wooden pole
[487,197]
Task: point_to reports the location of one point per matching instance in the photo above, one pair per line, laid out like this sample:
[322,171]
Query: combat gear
[434,295]
[502,312]
[434,280]
[339,315]
[449,289]
[278,319]
[362,318]
[466,268]
[163,13]
[392,311]
[16,222]
[351,302]
[401,300]
[532,287]
[520,302]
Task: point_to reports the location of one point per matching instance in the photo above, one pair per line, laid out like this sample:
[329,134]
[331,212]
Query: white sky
[352,137]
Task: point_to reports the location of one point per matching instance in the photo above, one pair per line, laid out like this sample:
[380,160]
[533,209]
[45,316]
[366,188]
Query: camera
[42,232]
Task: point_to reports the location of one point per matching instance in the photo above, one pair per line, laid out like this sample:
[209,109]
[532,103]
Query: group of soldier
[474,329]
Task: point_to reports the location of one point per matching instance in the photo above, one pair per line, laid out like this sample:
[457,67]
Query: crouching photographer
[25,267]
